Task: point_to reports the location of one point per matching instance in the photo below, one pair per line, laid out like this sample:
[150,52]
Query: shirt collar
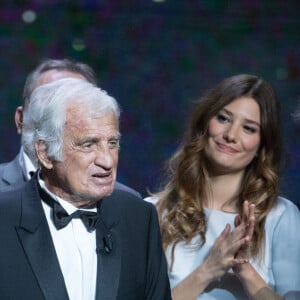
[26,164]
[70,208]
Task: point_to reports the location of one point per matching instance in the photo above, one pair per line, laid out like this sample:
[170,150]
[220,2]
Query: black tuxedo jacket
[133,268]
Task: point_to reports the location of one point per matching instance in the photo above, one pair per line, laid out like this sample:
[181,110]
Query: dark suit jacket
[135,268]
[11,174]
[12,177]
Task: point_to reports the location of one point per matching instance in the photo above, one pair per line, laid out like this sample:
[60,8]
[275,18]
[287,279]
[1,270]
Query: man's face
[88,170]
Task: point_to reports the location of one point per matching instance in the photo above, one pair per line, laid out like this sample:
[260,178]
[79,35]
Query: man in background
[20,169]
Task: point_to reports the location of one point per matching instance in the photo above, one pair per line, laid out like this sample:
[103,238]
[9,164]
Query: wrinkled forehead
[88,117]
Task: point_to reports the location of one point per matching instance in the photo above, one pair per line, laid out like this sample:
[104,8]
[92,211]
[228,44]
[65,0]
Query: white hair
[44,117]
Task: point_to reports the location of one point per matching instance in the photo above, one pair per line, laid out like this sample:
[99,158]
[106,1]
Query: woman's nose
[230,134]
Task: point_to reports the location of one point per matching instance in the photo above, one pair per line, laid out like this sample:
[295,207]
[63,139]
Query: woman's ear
[41,151]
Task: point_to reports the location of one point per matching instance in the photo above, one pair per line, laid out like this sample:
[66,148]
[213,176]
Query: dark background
[155,58]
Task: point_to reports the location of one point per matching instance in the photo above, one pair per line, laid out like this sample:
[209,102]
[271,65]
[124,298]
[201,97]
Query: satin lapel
[109,249]
[36,239]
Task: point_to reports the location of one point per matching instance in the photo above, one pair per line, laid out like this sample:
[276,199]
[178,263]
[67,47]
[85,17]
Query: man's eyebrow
[116,136]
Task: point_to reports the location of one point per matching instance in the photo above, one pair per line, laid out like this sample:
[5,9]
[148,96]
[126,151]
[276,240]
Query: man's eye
[114,142]
[87,145]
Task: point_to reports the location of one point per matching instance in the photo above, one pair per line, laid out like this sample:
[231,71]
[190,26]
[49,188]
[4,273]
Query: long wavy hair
[181,201]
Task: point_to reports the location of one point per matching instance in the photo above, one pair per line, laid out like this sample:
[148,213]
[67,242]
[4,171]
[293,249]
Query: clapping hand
[232,248]
[248,221]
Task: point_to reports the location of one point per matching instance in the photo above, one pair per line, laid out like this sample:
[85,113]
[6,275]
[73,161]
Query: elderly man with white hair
[67,233]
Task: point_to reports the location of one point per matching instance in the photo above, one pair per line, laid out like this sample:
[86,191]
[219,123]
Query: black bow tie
[61,218]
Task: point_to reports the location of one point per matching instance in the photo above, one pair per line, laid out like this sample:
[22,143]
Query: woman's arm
[285,260]
[286,250]
[254,284]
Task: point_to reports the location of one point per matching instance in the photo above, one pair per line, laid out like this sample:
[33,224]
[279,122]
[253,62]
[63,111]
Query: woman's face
[234,136]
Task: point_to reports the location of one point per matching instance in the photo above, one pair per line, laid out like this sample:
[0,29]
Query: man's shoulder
[12,166]
[11,175]
[12,193]
[4,165]
[11,204]
[122,187]
[125,200]
[127,212]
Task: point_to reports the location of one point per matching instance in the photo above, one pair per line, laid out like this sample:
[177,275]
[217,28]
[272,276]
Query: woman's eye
[250,129]
[222,118]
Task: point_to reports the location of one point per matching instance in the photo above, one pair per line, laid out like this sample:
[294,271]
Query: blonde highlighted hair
[181,204]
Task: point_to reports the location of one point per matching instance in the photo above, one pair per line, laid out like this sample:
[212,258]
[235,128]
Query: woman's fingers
[224,234]
[247,219]
[245,213]
[230,242]
[251,221]
[237,220]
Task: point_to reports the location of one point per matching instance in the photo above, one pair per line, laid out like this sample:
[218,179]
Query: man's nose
[104,158]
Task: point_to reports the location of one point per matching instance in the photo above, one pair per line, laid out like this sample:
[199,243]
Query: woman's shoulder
[283,206]
[284,211]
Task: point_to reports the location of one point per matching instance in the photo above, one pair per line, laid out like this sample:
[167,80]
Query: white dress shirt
[26,164]
[76,251]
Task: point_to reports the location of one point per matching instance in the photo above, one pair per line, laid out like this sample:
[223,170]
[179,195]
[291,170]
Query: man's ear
[19,119]
[41,151]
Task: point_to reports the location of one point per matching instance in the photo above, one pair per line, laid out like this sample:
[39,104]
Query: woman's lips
[225,148]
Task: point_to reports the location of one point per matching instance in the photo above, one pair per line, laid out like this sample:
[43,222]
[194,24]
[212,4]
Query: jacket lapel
[108,254]
[36,240]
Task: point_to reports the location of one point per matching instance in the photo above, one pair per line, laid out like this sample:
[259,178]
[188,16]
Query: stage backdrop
[155,58]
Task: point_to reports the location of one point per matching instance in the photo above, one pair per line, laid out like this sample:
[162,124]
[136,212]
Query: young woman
[226,232]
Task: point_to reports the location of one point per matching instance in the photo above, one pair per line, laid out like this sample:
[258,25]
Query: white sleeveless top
[279,267]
